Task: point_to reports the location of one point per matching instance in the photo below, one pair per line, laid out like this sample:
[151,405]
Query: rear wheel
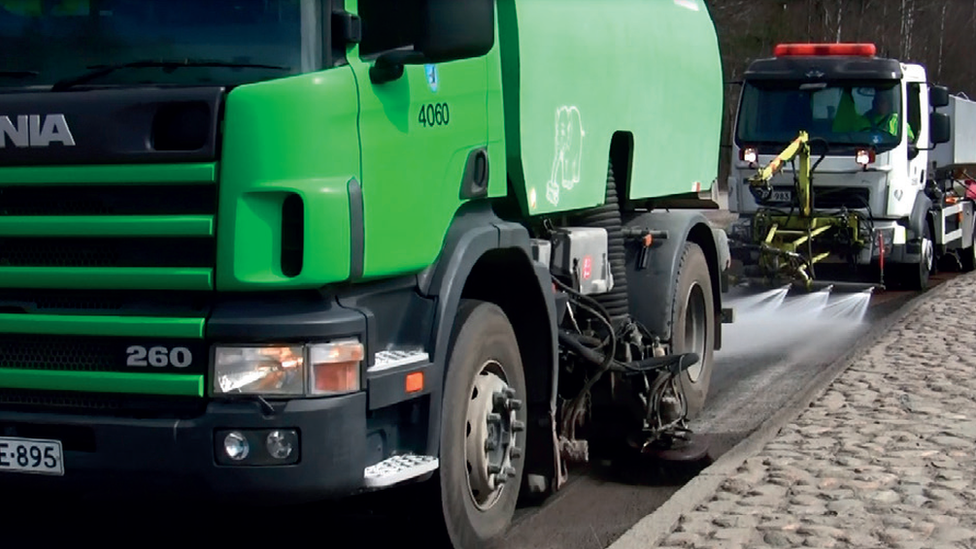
[916,276]
[693,315]
[482,427]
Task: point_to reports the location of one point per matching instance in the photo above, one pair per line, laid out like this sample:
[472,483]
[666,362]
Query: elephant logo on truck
[568,157]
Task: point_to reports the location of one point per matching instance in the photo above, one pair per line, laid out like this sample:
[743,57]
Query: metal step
[397,469]
[385,360]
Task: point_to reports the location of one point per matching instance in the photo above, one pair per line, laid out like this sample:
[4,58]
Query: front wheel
[693,325]
[482,427]
[917,274]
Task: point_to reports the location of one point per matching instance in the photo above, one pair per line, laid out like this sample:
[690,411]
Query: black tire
[916,276]
[693,325]
[483,340]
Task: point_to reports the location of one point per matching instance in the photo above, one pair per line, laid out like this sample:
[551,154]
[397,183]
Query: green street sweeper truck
[290,250]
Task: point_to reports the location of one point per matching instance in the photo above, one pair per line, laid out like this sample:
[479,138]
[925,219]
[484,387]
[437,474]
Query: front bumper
[896,248]
[108,456]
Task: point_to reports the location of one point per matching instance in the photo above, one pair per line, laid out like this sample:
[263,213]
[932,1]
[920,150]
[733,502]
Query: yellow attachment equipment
[787,240]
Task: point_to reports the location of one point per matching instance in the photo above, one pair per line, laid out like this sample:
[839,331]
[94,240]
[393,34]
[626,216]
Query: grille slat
[107,252]
[101,404]
[108,200]
[136,303]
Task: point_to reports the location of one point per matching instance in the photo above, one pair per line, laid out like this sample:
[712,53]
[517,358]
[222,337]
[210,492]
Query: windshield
[48,40]
[845,114]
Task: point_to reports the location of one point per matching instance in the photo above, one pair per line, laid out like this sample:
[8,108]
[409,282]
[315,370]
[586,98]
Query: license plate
[782,196]
[24,455]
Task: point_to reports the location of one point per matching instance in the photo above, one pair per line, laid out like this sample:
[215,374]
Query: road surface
[599,504]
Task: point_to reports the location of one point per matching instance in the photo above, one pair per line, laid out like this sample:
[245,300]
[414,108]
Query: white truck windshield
[844,114]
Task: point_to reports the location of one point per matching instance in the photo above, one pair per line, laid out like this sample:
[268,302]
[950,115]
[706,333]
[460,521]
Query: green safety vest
[889,124]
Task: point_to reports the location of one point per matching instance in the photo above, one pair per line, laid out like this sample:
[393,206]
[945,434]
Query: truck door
[916,96]
[417,132]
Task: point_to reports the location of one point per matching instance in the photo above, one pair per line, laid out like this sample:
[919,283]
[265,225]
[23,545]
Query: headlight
[278,370]
[333,368]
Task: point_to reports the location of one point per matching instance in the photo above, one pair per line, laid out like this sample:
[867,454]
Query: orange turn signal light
[415,382]
[335,368]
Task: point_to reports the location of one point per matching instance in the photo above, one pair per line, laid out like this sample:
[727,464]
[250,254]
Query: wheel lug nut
[509,392]
[514,405]
[494,418]
[518,426]
[509,472]
[516,452]
[494,469]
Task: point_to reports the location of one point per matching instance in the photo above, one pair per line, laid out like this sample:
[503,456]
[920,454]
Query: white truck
[880,171]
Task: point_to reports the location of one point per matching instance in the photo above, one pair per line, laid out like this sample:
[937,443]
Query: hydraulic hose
[607,216]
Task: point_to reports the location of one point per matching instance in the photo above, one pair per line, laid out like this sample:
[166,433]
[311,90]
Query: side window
[387,25]
[914,107]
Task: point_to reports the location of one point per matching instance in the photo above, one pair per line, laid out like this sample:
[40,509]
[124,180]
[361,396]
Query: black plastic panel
[91,354]
[132,125]
[824,68]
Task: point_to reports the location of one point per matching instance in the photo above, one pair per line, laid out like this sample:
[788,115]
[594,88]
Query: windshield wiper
[18,74]
[104,70]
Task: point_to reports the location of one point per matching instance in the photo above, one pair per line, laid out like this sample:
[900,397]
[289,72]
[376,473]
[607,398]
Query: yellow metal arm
[799,147]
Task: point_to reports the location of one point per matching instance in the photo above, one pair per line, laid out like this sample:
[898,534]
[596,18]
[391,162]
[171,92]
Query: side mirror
[938,96]
[456,29]
[447,30]
[940,128]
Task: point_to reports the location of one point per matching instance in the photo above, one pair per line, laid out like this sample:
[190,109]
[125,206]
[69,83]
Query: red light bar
[799,50]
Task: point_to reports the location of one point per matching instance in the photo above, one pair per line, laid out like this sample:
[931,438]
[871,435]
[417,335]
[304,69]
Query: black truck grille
[108,200]
[119,234]
[106,252]
[841,197]
[101,404]
[30,352]
[85,353]
[830,198]
[133,241]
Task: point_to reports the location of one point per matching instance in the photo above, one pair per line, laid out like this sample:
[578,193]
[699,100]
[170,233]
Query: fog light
[235,446]
[279,444]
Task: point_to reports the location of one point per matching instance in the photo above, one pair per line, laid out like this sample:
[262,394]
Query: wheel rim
[491,439]
[927,255]
[695,329]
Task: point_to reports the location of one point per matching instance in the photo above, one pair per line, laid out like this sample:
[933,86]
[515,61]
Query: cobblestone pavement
[885,457]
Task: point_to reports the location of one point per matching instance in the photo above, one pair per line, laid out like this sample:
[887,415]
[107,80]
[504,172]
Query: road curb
[651,530]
